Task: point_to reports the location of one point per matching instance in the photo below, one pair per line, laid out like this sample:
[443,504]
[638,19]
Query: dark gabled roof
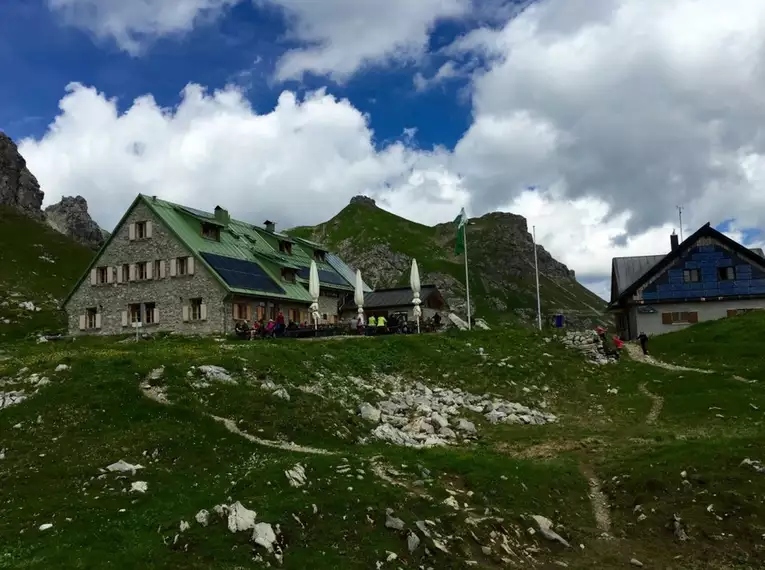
[627,270]
[755,255]
[397,297]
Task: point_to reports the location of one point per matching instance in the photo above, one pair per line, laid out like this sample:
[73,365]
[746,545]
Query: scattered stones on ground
[240,518]
[546,530]
[61,367]
[754,464]
[296,476]
[184,526]
[412,542]
[370,413]
[156,374]
[452,502]
[458,322]
[123,466]
[8,399]
[139,486]
[263,535]
[636,562]
[679,529]
[393,522]
[281,393]
[216,374]
[45,526]
[203,517]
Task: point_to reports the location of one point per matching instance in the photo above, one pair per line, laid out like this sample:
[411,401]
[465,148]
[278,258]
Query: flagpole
[536,271]
[467,279]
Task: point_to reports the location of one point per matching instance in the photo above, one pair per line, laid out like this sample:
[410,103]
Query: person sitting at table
[242,329]
[270,328]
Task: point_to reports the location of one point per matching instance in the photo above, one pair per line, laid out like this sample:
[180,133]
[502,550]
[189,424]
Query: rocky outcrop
[18,186]
[70,217]
[363,201]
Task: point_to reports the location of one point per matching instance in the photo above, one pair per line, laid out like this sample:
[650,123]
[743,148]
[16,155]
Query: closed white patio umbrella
[358,295]
[313,290]
[414,282]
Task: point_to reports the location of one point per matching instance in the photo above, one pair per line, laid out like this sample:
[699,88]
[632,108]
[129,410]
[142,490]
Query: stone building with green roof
[174,268]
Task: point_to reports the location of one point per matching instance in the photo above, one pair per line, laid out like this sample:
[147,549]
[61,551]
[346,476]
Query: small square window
[288,275]
[196,309]
[726,273]
[691,276]
[285,247]
[210,231]
[91,318]
[319,255]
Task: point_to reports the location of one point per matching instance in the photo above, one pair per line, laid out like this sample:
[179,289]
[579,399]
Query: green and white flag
[461,223]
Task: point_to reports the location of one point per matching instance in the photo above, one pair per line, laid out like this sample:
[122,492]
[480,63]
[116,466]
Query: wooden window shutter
[148,229]
[93,276]
[149,270]
[110,274]
[173,267]
[98,320]
[124,318]
[732,312]
[82,322]
[249,312]
[190,266]
[156,315]
[161,268]
[203,312]
[131,232]
[119,274]
[693,317]
[666,318]
[185,313]
[131,272]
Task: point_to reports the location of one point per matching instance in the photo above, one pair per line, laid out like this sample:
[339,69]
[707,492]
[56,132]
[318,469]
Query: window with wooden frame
[141,230]
[319,255]
[260,312]
[691,275]
[241,311]
[149,313]
[294,315]
[196,309]
[134,312]
[211,231]
[91,318]
[141,271]
[726,273]
[285,247]
[102,275]
[182,264]
[158,269]
[679,317]
[125,272]
[288,275]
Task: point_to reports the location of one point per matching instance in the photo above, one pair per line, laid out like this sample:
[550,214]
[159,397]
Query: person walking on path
[643,338]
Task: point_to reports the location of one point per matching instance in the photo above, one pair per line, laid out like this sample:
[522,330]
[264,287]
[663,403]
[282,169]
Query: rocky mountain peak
[363,201]
[18,186]
[70,217]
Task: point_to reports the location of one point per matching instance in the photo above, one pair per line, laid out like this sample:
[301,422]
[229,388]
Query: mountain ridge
[501,261]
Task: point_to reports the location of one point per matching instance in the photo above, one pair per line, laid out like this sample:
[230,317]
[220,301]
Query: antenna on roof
[680,214]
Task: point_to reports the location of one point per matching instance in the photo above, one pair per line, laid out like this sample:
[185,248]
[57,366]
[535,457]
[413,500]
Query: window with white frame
[91,318]
[196,309]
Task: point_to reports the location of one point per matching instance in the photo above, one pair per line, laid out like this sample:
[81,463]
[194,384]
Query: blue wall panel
[707,259]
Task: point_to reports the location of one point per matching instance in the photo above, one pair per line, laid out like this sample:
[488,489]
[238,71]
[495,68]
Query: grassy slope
[369,226]
[94,414]
[37,264]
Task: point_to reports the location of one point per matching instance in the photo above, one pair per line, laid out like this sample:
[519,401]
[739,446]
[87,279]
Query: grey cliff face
[18,186]
[70,217]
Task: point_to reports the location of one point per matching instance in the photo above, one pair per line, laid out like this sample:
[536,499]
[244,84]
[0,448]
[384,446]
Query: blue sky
[616,111]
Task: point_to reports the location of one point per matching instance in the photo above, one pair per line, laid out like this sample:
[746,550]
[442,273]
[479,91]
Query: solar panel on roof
[241,274]
[324,276]
[195,212]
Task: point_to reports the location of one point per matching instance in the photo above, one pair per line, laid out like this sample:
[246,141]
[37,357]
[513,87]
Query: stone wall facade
[169,294]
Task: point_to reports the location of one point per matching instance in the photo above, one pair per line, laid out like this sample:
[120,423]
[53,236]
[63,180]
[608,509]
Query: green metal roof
[240,240]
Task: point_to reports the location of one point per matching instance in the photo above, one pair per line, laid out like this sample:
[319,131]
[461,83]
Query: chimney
[270,226]
[221,216]
[674,242]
